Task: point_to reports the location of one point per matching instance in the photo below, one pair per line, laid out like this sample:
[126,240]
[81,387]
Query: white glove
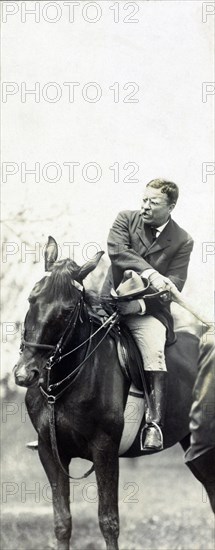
[159,282]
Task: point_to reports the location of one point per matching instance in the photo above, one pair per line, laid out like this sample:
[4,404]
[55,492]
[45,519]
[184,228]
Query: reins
[72,376]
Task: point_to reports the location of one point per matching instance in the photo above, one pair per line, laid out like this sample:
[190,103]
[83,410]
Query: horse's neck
[81,333]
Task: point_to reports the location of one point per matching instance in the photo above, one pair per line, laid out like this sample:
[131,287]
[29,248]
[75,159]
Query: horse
[77,392]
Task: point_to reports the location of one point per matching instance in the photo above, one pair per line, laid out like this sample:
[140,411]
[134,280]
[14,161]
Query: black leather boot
[151,434]
[203,468]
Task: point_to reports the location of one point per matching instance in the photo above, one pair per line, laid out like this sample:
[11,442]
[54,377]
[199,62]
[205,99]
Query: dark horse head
[52,303]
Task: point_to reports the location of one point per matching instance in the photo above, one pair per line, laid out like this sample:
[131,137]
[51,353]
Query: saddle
[129,356]
[185,345]
[181,360]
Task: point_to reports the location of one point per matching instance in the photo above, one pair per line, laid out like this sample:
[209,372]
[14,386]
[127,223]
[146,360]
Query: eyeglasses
[153,202]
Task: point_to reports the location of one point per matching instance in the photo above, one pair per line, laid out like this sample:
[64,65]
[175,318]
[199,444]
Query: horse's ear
[89,266]
[51,254]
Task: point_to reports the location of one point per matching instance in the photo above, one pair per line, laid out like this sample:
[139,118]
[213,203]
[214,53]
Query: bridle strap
[75,314]
[107,322]
[34,345]
[67,334]
[71,377]
[54,446]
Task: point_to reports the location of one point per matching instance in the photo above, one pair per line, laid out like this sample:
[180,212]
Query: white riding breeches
[150,337]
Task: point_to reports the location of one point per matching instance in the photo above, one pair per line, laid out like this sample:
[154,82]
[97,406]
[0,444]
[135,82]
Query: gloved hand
[129,308]
[159,282]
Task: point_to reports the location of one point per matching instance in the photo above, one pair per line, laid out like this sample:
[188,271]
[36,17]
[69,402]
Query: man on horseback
[150,244]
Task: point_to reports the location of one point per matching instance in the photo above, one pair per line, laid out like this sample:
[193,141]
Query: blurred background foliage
[24,237]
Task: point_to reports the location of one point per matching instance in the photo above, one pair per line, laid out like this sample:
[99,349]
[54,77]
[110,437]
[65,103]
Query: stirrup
[148,425]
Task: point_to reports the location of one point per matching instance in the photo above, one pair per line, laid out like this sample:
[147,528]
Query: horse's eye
[32,299]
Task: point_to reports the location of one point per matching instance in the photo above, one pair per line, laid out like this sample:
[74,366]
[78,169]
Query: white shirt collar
[161,227]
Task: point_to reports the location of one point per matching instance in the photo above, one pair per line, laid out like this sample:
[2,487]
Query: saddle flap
[129,356]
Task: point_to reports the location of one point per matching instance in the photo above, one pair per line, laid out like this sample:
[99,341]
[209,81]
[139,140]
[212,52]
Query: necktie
[154,232]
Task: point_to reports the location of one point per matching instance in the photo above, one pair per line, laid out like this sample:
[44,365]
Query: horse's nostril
[35,373]
[33,376]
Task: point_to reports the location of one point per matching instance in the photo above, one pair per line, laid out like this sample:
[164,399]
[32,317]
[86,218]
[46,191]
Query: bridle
[57,356]
[72,321]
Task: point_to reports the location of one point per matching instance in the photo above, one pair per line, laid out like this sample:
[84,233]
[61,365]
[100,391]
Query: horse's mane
[60,283]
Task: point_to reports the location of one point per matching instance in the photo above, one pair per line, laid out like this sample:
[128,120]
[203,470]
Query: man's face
[155,208]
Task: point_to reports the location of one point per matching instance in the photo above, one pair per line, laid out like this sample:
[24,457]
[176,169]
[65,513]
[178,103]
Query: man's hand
[159,282]
[129,308]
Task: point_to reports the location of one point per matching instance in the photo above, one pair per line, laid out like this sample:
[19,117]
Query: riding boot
[151,435]
[203,466]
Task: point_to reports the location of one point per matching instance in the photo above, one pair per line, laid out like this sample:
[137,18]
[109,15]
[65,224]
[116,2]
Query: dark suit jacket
[129,247]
